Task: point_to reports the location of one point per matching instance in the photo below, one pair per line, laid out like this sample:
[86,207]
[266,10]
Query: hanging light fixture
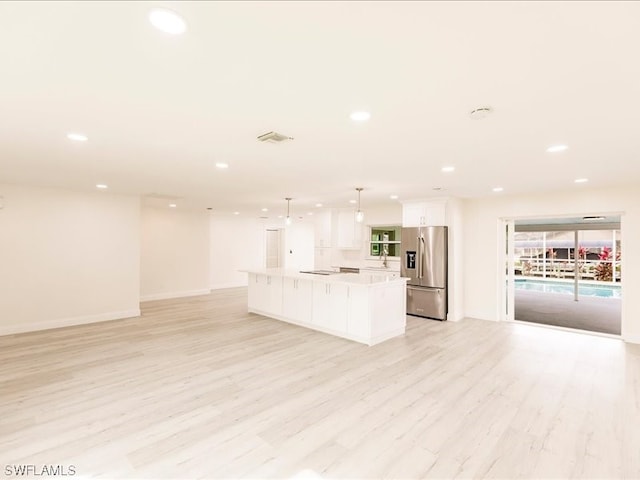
[287,221]
[359,213]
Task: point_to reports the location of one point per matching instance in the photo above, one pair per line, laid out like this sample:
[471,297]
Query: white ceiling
[160,110]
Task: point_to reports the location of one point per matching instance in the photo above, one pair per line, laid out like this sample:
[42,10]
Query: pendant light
[287,221]
[359,213]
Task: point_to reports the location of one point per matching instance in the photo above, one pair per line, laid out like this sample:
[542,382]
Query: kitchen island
[362,307]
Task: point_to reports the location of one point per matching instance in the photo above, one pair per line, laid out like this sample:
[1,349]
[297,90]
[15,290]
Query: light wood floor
[198,388]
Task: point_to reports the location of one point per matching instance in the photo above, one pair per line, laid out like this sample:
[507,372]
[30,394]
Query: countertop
[344,278]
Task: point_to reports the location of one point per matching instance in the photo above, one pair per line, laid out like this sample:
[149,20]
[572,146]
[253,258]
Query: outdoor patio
[589,313]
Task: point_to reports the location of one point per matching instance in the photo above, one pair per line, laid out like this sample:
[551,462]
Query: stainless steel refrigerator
[424,262]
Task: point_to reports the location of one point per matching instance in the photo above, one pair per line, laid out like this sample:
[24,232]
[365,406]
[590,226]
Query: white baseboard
[68,322]
[631,338]
[220,286]
[165,296]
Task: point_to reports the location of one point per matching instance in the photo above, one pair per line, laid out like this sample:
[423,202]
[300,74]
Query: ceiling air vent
[273,137]
[480,113]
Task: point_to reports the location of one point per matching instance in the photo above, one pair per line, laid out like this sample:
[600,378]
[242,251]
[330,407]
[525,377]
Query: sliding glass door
[568,275]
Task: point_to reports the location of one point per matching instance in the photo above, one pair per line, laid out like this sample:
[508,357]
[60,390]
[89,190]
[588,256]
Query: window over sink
[385,240]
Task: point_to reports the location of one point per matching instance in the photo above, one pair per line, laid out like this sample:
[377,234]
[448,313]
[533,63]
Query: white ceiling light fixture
[102,186]
[265,209]
[480,113]
[222,165]
[167,21]
[236,213]
[557,148]
[172,205]
[287,220]
[359,212]
[497,189]
[393,197]
[581,180]
[319,205]
[77,137]
[360,116]
[448,169]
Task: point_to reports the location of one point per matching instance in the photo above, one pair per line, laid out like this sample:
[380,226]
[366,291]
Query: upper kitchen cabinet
[349,232]
[323,229]
[419,214]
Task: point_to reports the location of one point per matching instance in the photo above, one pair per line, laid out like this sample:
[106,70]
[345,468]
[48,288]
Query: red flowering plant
[604,269]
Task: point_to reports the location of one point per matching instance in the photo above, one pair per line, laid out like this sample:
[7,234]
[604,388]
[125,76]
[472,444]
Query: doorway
[566,272]
[274,248]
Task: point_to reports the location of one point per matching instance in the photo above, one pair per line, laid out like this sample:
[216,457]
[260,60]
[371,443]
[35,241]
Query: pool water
[604,291]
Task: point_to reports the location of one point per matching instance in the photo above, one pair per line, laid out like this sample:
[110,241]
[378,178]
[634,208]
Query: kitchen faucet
[383,252]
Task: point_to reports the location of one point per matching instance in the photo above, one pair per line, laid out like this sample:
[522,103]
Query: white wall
[298,246]
[67,258]
[235,244]
[455,221]
[481,220]
[240,243]
[174,253]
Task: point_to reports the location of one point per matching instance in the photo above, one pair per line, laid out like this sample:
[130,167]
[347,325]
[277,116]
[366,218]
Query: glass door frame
[506,268]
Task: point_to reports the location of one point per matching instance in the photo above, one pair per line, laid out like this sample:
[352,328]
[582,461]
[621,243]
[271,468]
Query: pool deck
[595,314]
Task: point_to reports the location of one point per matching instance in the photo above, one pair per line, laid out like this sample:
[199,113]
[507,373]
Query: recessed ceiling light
[265,209]
[310,213]
[172,205]
[280,216]
[557,148]
[498,189]
[393,197]
[77,137]
[102,186]
[222,165]
[236,213]
[360,116]
[581,180]
[168,21]
[318,205]
[448,169]
[353,201]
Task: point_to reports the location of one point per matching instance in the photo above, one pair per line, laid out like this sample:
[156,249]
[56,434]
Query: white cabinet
[367,310]
[349,232]
[265,294]
[297,299]
[419,214]
[330,302]
[323,229]
[358,323]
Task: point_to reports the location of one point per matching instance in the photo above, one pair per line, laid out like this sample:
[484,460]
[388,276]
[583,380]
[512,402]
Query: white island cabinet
[366,308]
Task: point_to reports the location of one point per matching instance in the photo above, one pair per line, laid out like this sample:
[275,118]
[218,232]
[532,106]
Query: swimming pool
[603,291]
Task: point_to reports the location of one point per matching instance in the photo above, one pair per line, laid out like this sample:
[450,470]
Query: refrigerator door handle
[422,249]
[419,259]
